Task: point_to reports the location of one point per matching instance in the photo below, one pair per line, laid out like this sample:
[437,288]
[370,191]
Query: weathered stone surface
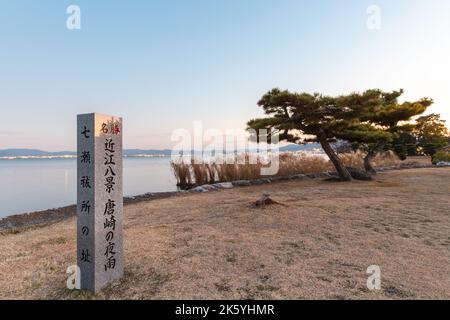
[99,200]
[275,179]
[297,177]
[257,182]
[241,183]
[198,189]
[209,187]
[226,185]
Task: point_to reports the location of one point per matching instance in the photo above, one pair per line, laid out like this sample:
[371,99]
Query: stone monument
[99,200]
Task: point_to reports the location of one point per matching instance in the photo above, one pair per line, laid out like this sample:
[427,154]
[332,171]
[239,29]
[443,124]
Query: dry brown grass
[202,172]
[219,246]
[356,159]
[301,164]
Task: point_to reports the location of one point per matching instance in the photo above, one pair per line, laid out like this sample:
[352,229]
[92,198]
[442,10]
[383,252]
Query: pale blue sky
[163,64]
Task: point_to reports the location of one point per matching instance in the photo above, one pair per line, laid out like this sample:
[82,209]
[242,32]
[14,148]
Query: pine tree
[381,125]
[303,117]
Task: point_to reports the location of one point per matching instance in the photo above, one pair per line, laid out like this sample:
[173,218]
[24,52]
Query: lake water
[28,185]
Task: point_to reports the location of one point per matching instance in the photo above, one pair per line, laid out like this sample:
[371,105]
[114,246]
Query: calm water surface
[28,185]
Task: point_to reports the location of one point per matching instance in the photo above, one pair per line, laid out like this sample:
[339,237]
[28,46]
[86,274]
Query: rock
[409,165]
[226,185]
[324,174]
[298,177]
[209,187]
[275,179]
[198,189]
[241,183]
[259,182]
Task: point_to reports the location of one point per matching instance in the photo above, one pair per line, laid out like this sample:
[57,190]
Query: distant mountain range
[129,152]
[303,147]
[33,153]
[41,153]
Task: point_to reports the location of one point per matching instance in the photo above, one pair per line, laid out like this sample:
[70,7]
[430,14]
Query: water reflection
[40,184]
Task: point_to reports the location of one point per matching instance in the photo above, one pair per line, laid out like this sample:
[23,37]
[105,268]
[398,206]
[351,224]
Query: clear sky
[163,64]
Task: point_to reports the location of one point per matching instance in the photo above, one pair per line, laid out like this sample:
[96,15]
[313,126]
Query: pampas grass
[191,173]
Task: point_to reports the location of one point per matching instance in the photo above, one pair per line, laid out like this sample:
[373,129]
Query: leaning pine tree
[381,121]
[304,117]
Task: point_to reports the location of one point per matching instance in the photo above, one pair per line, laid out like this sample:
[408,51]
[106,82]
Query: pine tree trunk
[369,157]
[368,162]
[342,171]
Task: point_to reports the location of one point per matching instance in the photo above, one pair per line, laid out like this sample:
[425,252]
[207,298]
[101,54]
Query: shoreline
[49,216]
[73,157]
[16,222]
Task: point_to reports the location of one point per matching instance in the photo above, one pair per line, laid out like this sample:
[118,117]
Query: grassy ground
[217,246]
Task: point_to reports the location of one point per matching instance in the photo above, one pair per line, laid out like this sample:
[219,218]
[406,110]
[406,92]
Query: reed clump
[196,172]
